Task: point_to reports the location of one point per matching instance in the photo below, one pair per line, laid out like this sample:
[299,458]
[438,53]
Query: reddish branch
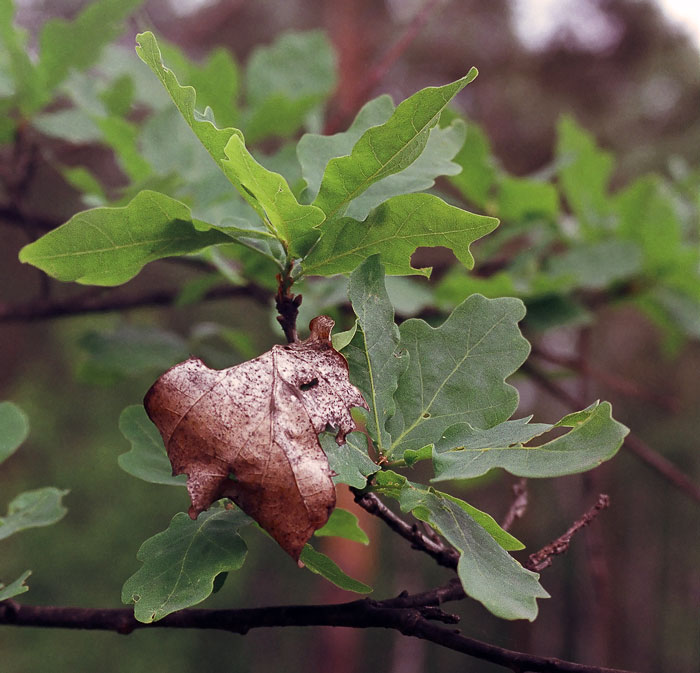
[379,70]
[652,458]
[543,558]
[412,615]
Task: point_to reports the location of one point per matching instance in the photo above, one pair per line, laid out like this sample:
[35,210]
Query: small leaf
[33,509]
[109,246]
[214,139]
[14,428]
[350,463]
[457,372]
[342,339]
[464,452]
[487,572]
[315,151]
[386,149]
[521,198]
[434,161]
[584,175]
[127,351]
[373,356]
[181,563]
[342,523]
[250,432]
[15,588]
[269,194]
[285,81]
[478,167]
[148,459]
[320,564]
[395,230]
[77,44]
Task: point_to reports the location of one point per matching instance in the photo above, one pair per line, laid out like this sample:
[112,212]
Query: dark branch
[287,305]
[543,558]
[90,302]
[518,506]
[653,459]
[443,555]
[412,615]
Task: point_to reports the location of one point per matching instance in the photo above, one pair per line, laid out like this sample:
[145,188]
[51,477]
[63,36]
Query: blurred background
[627,594]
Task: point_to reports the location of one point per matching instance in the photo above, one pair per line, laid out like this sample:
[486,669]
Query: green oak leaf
[148,459]
[285,81]
[584,176]
[214,139]
[33,509]
[320,564]
[435,160]
[126,351]
[457,371]
[396,229]
[487,572]
[109,246]
[521,198]
[14,428]
[386,149]
[181,563]
[15,588]
[342,523]
[479,170]
[465,452]
[349,463]
[66,45]
[216,80]
[315,151]
[373,355]
[269,194]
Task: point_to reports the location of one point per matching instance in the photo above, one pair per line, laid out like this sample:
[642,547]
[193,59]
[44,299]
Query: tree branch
[543,558]
[643,451]
[287,305]
[378,71]
[412,615]
[443,555]
[90,302]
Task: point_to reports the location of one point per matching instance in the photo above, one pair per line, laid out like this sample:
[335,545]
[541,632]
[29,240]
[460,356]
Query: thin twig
[89,302]
[443,555]
[518,506]
[287,305]
[543,558]
[411,615]
[643,451]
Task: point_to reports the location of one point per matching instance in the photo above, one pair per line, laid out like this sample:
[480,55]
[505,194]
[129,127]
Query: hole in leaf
[309,385]
[232,476]
[426,415]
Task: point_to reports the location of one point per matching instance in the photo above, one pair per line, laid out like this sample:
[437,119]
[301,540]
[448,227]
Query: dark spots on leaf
[426,415]
[309,385]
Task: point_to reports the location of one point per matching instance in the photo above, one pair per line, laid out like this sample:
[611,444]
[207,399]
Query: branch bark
[412,615]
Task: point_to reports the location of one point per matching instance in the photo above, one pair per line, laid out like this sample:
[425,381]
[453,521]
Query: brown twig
[378,71]
[412,615]
[518,506]
[287,305]
[543,558]
[443,555]
[89,302]
[662,466]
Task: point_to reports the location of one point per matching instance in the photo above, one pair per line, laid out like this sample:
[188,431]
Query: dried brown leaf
[250,432]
